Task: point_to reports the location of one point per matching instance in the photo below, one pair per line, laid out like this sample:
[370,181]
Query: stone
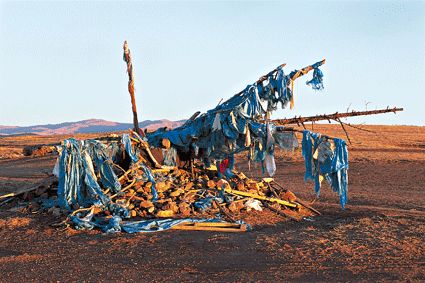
[45,195]
[184,208]
[241,186]
[161,187]
[173,206]
[146,204]
[165,213]
[56,212]
[211,184]
[40,190]
[176,193]
[188,186]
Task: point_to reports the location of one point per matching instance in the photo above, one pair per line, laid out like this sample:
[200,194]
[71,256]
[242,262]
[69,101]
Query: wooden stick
[210,226]
[272,190]
[129,186]
[303,71]
[307,206]
[146,147]
[223,211]
[191,119]
[301,202]
[342,125]
[279,185]
[10,195]
[45,182]
[141,159]
[162,170]
[260,197]
[260,80]
[281,212]
[127,59]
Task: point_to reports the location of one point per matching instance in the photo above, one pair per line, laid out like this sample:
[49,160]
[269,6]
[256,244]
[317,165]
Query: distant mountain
[86,126]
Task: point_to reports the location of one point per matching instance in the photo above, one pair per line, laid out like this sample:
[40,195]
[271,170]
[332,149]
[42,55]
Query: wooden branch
[345,131]
[260,80]
[146,147]
[124,189]
[301,202]
[335,116]
[291,129]
[223,211]
[303,71]
[191,119]
[361,129]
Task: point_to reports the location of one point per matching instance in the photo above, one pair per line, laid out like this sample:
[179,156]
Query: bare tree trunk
[127,59]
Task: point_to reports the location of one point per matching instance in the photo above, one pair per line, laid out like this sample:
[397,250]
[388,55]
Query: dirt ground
[379,237]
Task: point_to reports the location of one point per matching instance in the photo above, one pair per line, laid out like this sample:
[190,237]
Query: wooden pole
[127,59]
[335,116]
[260,80]
[303,71]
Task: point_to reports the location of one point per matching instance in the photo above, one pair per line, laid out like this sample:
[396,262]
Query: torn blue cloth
[307,153]
[117,225]
[317,81]
[336,174]
[222,131]
[134,159]
[77,180]
[334,169]
[156,225]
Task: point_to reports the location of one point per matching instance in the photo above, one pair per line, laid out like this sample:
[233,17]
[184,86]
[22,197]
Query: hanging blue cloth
[334,169]
[221,132]
[77,181]
[317,81]
[338,171]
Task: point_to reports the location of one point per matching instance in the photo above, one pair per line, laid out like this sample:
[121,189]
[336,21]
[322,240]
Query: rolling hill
[86,126]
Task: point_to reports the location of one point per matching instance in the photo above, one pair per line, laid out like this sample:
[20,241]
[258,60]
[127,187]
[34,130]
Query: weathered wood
[191,119]
[303,203]
[335,116]
[146,147]
[211,226]
[304,71]
[223,211]
[260,80]
[45,182]
[227,190]
[124,189]
[127,59]
[280,211]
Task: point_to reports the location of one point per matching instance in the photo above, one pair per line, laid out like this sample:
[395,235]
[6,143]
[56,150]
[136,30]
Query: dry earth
[379,237]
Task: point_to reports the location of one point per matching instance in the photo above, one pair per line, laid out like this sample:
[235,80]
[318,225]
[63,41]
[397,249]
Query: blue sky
[61,61]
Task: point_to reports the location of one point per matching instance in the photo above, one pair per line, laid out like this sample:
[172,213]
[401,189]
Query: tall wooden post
[127,59]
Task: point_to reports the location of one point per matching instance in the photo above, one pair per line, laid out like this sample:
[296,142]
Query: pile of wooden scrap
[179,192]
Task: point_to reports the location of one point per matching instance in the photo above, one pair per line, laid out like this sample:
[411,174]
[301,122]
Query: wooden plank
[211,226]
[45,182]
